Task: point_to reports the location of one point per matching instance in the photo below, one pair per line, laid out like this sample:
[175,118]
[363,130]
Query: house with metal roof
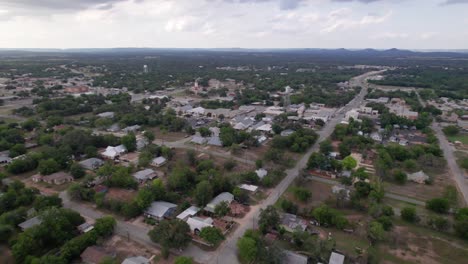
[160,209]
[136,260]
[30,223]
[197,224]
[294,258]
[336,258]
[91,163]
[191,211]
[144,175]
[159,161]
[222,197]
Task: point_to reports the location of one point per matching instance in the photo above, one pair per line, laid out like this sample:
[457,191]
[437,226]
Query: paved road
[388,195]
[227,253]
[455,171]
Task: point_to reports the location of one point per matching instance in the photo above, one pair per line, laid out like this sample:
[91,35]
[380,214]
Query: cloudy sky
[411,24]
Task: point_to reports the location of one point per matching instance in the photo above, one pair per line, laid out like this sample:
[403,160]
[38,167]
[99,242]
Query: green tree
[399,176]
[222,209]
[171,234]
[48,166]
[183,260]
[376,231]
[438,205]
[105,226]
[247,249]
[77,171]
[212,235]
[269,218]
[41,202]
[409,214]
[451,130]
[149,135]
[326,147]
[302,194]
[203,193]
[349,163]
[129,141]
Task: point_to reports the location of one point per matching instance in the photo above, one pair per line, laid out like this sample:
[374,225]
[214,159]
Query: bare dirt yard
[422,192]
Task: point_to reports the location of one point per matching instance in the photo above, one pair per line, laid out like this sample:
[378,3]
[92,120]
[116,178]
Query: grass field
[463,138]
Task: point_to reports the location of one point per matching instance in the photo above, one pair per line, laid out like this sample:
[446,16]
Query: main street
[455,171]
[227,252]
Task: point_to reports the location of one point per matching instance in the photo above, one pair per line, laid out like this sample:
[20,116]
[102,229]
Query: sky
[380,24]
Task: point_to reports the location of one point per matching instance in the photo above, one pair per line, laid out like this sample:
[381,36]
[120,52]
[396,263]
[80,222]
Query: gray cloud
[283,4]
[362,1]
[60,4]
[452,2]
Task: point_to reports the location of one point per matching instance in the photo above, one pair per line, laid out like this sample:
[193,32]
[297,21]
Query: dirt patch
[168,136]
[5,255]
[124,249]
[422,192]
[121,194]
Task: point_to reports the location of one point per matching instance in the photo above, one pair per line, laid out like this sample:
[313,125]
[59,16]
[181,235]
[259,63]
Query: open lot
[462,137]
[414,244]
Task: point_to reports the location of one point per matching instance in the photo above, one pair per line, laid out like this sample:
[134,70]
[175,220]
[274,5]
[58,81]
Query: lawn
[463,138]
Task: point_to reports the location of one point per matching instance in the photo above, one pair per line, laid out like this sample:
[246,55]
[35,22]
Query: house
[136,260]
[215,141]
[144,175]
[418,177]
[293,223]
[248,187]
[222,197]
[293,258]
[30,223]
[113,128]
[261,173]
[198,140]
[376,137]
[5,160]
[106,115]
[346,174]
[353,113]
[287,132]
[114,152]
[57,178]
[95,255]
[141,143]
[85,228]
[197,224]
[403,142]
[191,211]
[197,111]
[159,161]
[264,128]
[336,258]
[215,131]
[133,129]
[91,163]
[159,210]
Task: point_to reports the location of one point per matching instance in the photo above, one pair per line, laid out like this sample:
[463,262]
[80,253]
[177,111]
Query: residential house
[114,152]
[336,258]
[249,187]
[293,258]
[144,175]
[197,224]
[57,178]
[261,173]
[159,161]
[132,129]
[136,260]
[222,197]
[159,210]
[85,228]
[30,223]
[91,163]
[287,132]
[189,212]
[113,128]
[199,140]
[376,137]
[215,141]
[5,160]
[353,113]
[293,223]
[197,111]
[418,177]
[106,115]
